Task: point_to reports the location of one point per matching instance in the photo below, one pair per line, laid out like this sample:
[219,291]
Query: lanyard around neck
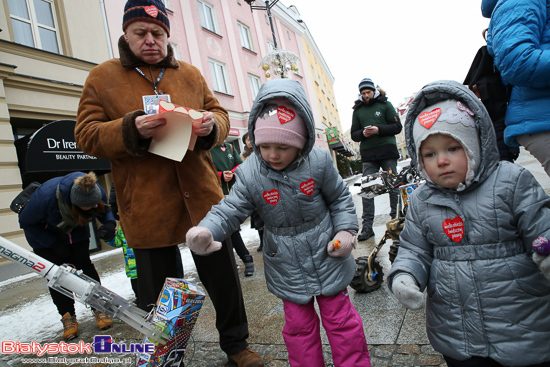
[157,81]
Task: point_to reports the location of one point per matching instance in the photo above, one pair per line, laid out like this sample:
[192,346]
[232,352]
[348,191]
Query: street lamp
[280,61]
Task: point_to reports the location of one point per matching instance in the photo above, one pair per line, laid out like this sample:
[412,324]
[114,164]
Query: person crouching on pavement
[56,225]
[310,226]
[468,238]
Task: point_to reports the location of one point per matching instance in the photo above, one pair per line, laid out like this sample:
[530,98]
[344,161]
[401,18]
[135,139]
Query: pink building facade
[226,40]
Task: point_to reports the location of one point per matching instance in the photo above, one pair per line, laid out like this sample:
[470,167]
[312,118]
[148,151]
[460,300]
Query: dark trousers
[76,254]
[238,244]
[483,362]
[219,276]
[153,266]
[369,168]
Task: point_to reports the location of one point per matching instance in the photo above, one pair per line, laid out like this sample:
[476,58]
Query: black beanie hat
[145,11]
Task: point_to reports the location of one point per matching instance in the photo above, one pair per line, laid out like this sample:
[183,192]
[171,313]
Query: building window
[208,16]
[34,24]
[314,73]
[299,71]
[255,83]
[244,31]
[166,4]
[176,50]
[219,77]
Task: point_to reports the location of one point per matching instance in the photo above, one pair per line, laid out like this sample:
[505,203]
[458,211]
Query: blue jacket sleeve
[516,41]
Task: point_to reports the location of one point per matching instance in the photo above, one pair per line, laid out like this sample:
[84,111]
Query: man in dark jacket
[375,124]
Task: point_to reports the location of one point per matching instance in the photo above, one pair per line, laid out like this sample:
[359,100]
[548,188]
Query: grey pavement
[396,336]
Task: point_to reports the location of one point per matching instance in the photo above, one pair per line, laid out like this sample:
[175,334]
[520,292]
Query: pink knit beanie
[279,123]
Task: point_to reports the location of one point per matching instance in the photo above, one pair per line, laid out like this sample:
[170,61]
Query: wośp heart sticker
[307,187]
[272,197]
[285,114]
[151,10]
[454,228]
[428,118]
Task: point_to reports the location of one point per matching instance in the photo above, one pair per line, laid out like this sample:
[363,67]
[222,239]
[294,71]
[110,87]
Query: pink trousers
[342,324]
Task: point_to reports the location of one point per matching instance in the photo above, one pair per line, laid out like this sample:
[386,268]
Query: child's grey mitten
[407,292]
[200,241]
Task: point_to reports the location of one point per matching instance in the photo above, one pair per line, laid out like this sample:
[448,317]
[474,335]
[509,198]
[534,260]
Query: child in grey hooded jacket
[468,238]
[310,226]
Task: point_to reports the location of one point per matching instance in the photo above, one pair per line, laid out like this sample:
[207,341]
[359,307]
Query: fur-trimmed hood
[379,96]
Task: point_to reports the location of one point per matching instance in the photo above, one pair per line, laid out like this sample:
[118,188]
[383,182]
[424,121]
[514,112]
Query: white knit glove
[407,292]
[543,263]
[342,244]
[200,241]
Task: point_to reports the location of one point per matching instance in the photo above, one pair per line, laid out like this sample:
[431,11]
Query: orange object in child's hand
[336,244]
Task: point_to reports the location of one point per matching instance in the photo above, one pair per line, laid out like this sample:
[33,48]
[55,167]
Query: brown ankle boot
[70,326]
[102,320]
[246,358]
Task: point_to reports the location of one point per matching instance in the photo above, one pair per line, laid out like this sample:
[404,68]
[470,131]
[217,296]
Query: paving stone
[430,360]
[408,349]
[385,351]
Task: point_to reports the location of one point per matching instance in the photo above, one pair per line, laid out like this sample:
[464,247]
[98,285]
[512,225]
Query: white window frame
[166,4]
[255,83]
[210,21]
[176,50]
[35,26]
[246,39]
[270,46]
[220,78]
[298,72]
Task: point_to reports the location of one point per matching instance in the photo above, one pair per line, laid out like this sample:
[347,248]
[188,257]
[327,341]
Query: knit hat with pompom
[85,191]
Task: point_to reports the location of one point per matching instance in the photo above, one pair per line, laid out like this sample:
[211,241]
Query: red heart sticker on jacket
[222,149]
[272,197]
[284,114]
[307,187]
[454,228]
[151,10]
[428,118]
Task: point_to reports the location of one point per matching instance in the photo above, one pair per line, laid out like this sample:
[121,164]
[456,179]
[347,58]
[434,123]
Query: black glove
[107,231]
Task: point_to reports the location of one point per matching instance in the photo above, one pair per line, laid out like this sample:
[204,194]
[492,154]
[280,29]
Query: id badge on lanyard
[151,102]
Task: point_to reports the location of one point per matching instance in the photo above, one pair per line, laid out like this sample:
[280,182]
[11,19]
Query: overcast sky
[400,44]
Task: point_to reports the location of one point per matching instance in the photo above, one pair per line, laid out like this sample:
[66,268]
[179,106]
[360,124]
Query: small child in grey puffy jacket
[468,238]
[310,227]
